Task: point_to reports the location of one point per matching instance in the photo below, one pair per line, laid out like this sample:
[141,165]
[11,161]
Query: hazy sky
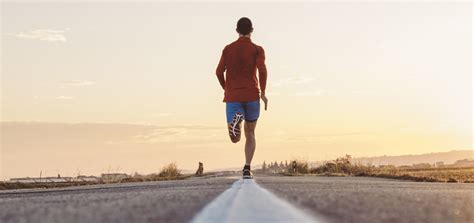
[91,87]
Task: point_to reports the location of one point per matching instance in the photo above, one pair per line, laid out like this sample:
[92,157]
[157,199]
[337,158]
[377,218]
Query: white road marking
[247,202]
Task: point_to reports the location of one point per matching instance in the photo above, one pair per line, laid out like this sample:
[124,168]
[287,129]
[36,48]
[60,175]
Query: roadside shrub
[359,169]
[298,166]
[339,165]
[170,171]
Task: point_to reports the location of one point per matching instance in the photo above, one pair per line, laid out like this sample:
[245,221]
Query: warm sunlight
[95,87]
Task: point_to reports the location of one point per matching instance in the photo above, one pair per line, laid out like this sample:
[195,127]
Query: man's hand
[264,99]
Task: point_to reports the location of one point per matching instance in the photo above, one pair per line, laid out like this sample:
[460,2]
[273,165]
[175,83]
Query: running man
[240,61]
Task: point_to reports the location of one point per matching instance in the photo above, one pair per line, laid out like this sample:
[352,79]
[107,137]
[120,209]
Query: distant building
[422,165]
[86,179]
[464,163]
[113,176]
[439,164]
[58,180]
[41,180]
[24,180]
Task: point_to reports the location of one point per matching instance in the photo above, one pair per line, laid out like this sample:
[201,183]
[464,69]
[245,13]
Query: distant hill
[446,157]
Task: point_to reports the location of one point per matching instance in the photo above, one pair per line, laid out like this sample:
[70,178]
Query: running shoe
[234,126]
[246,174]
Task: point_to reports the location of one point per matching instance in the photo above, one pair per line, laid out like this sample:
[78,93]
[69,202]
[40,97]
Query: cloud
[310,93]
[162,114]
[73,135]
[77,83]
[193,134]
[49,35]
[50,143]
[361,92]
[64,97]
[327,136]
[293,81]
[159,135]
[272,93]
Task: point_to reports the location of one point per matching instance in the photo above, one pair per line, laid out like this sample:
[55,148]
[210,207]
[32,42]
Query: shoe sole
[234,130]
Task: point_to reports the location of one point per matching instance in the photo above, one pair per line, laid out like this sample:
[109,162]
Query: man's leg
[250,144]
[252,112]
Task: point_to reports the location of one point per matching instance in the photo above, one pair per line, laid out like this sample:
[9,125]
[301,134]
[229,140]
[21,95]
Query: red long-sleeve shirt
[240,61]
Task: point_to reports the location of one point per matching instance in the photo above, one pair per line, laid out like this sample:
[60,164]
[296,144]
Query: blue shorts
[250,110]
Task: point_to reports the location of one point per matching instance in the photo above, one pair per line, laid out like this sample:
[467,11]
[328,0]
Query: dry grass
[343,166]
[11,186]
[168,172]
[301,167]
[450,175]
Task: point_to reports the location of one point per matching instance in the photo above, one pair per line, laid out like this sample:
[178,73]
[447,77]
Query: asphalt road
[165,201]
[363,199]
[334,199]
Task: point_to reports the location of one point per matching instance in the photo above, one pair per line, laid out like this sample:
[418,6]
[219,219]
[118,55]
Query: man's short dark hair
[244,26]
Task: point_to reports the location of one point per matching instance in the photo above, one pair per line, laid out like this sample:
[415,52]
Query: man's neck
[248,35]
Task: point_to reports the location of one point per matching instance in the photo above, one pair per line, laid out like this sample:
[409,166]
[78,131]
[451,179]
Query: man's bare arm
[262,75]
